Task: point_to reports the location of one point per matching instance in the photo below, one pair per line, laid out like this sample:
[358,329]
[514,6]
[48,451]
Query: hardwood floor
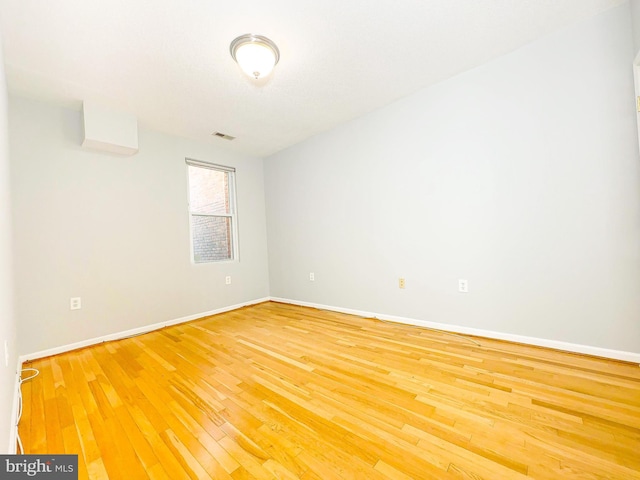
[276,391]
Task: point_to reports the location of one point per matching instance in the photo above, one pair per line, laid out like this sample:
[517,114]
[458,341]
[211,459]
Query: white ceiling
[168,62]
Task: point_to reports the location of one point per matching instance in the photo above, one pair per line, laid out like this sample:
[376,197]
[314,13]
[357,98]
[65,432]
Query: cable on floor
[20,382]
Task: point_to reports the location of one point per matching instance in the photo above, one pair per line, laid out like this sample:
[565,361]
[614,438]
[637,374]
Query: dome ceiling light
[256,55]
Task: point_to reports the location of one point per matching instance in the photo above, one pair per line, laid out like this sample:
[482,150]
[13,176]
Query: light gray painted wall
[635,19]
[521,176]
[115,231]
[7,317]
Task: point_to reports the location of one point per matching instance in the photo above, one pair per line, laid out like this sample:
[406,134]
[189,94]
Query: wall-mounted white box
[109,130]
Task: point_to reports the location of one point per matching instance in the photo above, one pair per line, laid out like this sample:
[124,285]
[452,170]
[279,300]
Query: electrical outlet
[227,280]
[75,303]
[463,285]
[6,353]
[401,283]
[312,277]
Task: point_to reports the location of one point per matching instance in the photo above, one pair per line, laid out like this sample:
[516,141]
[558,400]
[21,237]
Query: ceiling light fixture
[256,55]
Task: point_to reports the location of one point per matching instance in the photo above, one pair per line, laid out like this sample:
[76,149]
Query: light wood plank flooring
[276,391]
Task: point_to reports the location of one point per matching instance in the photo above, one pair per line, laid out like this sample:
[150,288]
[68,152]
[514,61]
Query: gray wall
[635,21]
[115,231]
[7,317]
[521,176]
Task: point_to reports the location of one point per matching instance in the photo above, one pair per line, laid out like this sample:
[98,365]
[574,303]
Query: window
[212,212]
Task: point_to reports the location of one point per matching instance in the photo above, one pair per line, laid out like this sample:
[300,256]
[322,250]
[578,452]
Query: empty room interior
[320,240]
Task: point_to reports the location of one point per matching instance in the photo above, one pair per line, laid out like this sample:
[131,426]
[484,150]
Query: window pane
[208,191]
[211,238]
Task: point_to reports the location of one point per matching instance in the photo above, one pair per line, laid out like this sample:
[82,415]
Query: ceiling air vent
[223,135]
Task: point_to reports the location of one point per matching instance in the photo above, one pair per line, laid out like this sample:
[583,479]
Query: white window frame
[233,211]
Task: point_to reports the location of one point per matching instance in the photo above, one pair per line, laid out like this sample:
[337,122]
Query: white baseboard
[13,431]
[539,342]
[134,331]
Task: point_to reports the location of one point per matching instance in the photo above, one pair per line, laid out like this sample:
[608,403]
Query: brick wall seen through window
[212,213]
